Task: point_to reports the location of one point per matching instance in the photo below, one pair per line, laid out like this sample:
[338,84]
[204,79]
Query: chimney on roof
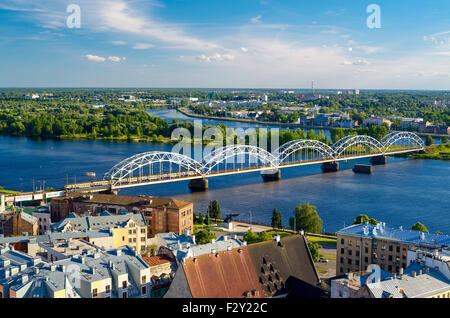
[225,238]
[414,274]
[193,239]
[420,272]
[186,232]
[213,241]
[244,243]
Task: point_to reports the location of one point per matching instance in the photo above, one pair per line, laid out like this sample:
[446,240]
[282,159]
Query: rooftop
[380,231]
[125,200]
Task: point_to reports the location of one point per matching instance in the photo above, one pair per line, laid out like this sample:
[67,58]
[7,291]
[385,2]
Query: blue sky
[230,44]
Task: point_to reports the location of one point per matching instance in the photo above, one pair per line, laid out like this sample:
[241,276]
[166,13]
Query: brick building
[18,223]
[161,214]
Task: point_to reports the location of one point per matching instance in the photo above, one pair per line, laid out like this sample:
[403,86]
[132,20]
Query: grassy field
[3,191]
[321,240]
[436,152]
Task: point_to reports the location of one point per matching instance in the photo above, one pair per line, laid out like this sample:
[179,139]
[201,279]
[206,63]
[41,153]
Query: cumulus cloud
[243,49]
[116,58]
[95,58]
[215,58]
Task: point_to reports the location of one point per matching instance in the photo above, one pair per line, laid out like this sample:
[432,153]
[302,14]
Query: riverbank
[434,152]
[249,121]
[268,123]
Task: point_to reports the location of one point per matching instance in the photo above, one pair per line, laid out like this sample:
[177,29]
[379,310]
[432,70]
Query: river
[401,193]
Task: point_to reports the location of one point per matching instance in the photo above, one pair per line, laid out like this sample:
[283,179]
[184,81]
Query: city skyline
[259,44]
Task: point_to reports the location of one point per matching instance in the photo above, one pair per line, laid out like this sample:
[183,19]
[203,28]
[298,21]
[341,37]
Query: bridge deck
[107,185]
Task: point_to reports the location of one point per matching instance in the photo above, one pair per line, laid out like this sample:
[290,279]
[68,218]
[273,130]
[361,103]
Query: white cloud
[243,49]
[142,46]
[356,62]
[116,58]
[215,58]
[256,19]
[95,58]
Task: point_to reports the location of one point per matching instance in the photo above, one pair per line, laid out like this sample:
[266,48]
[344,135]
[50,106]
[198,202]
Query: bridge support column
[198,185]
[378,160]
[330,166]
[115,192]
[271,176]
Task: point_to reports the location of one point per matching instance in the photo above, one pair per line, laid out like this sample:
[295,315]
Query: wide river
[401,193]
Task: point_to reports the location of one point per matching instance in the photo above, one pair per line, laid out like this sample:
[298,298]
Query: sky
[226,44]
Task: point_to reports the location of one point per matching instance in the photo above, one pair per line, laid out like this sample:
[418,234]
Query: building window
[142,239]
[366,250]
[349,261]
[342,241]
[94,292]
[349,242]
[144,290]
[366,259]
[124,284]
[108,288]
[390,248]
[390,258]
[144,279]
[124,295]
[390,268]
[342,251]
[357,262]
[398,249]
[357,253]
[143,231]
[350,252]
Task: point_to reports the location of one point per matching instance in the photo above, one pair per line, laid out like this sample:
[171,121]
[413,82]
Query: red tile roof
[226,274]
[157,260]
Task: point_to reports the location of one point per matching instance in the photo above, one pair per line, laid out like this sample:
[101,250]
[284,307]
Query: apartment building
[360,245]
[127,229]
[162,214]
[18,222]
[119,273]
[42,214]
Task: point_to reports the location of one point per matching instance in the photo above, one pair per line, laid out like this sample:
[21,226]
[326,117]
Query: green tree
[306,218]
[276,219]
[429,140]
[214,210]
[314,249]
[204,237]
[373,221]
[207,219]
[445,140]
[362,218]
[419,227]
[251,237]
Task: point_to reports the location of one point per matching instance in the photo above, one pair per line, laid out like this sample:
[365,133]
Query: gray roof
[35,278]
[380,231]
[54,236]
[102,222]
[421,286]
[182,245]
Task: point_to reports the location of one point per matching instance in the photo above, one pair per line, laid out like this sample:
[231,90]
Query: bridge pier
[378,160]
[269,176]
[114,191]
[330,166]
[198,185]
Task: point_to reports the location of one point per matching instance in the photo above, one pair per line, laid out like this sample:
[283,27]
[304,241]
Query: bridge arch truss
[401,139]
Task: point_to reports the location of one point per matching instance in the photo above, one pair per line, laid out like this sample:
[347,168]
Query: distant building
[162,271]
[62,249]
[162,214]
[344,123]
[360,245]
[376,121]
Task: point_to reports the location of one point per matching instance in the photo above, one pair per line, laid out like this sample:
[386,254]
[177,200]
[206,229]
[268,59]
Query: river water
[401,193]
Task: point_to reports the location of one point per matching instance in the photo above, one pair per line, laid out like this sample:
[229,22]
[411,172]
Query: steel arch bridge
[160,167]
